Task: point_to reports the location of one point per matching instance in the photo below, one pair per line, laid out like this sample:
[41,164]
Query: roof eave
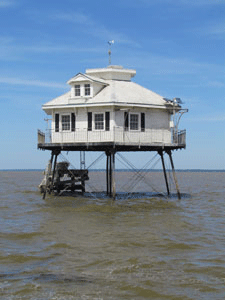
[101,104]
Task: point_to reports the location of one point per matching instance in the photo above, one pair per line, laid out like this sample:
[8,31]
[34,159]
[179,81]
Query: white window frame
[66,115]
[138,125]
[94,127]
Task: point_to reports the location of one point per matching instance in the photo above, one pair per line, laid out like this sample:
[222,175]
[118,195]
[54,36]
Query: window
[77,90]
[134,121]
[66,122]
[99,121]
[87,89]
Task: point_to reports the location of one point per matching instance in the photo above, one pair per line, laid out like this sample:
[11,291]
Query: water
[138,248]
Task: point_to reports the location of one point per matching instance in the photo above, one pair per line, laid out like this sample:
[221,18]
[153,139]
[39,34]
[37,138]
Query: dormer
[84,86]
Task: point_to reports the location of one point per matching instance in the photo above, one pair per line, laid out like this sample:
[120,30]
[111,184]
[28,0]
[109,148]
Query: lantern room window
[66,123]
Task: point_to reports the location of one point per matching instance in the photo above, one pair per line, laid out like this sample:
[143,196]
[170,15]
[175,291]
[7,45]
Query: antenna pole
[110,52]
[109,56]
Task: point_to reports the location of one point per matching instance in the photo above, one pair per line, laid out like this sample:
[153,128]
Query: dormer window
[87,89]
[77,90]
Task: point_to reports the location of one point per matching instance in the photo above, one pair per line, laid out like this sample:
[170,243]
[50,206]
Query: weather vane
[110,45]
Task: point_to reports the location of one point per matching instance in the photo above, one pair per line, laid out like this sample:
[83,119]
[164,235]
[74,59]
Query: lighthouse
[105,110]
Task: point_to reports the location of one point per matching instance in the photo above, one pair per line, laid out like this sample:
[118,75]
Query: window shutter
[56,122]
[73,122]
[107,120]
[126,121]
[90,121]
[142,121]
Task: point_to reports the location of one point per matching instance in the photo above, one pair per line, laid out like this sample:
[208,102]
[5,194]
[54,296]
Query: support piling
[110,174]
[164,172]
[174,174]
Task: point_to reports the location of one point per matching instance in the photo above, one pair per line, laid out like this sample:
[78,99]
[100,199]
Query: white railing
[41,137]
[117,135]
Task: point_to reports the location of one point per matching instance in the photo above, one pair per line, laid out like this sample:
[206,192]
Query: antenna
[109,52]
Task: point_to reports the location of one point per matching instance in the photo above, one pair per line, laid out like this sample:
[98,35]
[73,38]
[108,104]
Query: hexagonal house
[105,111]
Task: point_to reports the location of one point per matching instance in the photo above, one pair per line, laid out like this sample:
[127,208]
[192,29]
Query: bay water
[145,246]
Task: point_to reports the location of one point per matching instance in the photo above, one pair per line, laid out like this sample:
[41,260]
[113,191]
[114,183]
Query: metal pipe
[164,171]
[174,174]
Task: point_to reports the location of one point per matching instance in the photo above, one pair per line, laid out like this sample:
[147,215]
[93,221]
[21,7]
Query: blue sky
[176,46]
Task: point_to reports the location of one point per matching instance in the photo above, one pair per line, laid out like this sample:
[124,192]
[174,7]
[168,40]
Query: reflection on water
[141,247]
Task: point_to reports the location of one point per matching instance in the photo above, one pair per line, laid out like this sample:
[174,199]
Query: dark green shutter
[90,121]
[142,121]
[107,120]
[126,121]
[73,121]
[56,122]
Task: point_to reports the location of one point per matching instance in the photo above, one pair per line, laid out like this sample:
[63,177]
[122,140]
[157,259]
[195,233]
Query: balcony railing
[41,137]
[116,135]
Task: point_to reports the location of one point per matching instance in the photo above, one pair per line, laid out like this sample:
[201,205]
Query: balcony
[116,136]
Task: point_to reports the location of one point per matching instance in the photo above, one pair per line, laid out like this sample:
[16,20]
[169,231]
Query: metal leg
[164,171]
[174,174]
[107,173]
[113,176]
[110,176]
[56,153]
[48,175]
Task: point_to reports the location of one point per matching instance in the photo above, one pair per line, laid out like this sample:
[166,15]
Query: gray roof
[115,93]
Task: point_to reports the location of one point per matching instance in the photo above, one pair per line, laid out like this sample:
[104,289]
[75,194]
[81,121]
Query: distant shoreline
[120,170]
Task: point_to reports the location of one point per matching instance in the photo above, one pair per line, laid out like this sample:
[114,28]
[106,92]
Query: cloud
[166,65]
[26,82]
[58,49]
[214,30]
[219,117]
[216,84]
[6,3]
[179,3]
[11,50]
[92,27]
[199,2]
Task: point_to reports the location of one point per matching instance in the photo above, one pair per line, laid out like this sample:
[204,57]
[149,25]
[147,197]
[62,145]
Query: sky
[176,46]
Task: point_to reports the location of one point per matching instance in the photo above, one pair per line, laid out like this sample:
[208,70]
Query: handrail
[115,135]
[41,137]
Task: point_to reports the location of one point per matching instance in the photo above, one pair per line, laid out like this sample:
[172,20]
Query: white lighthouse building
[104,110]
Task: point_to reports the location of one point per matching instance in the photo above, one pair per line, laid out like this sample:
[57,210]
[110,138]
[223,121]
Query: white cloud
[200,2]
[6,3]
[165,65]
[92,27]
[177,3]
[214,30]
[218,117]
[26,82]
[58,49]
[216,84]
